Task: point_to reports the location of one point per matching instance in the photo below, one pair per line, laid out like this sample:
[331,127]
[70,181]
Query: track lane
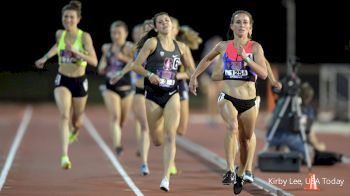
[36,169]
[195,175]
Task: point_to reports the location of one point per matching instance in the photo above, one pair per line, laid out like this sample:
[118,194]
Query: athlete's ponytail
[149,34]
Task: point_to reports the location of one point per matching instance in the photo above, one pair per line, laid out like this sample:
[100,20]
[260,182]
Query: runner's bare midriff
[71,70]
[244,90]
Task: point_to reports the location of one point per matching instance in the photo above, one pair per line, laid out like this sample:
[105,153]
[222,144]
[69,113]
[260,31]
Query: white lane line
[15,144]
[221,163]
[94,134]
[332,128]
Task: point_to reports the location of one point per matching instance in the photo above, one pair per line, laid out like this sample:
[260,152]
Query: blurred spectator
[211,88]
[286,135]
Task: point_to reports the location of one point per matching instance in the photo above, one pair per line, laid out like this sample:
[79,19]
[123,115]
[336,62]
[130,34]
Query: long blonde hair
[187,35]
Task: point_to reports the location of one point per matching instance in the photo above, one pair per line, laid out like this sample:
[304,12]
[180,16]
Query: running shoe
[238,185]
[248,176]
[228,178]
[73,136]
[65,163]
[164,184]
[173,170]
[144,170]
[119,150]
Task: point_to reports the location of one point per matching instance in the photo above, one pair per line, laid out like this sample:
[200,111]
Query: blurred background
[321,43]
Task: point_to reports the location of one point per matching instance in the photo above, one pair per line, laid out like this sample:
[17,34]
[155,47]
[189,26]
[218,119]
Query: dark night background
[322,27]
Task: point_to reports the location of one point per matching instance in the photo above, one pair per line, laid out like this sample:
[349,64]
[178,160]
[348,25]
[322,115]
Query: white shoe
[144,170]
[248,177]
[164,184]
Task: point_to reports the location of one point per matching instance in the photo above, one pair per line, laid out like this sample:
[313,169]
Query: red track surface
[36,169]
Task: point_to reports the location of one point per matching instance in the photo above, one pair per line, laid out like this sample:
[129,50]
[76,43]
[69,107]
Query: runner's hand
[193,85]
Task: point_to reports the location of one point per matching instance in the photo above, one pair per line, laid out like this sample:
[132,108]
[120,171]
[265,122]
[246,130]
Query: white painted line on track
[94,134]
[221,163]
[16,142]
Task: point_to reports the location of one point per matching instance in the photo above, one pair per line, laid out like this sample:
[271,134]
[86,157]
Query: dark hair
[119,23]
[229,32]
[151,33]
[73,5]
[154,18]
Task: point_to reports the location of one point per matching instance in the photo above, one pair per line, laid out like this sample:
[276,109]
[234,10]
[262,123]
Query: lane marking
[15,144]
[221,163]
[94,134]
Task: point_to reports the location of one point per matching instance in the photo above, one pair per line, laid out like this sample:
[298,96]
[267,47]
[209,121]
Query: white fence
[334,91]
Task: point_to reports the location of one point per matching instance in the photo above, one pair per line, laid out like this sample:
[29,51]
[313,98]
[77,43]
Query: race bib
[114,67]
[167,78]
[236,73]
[67,57]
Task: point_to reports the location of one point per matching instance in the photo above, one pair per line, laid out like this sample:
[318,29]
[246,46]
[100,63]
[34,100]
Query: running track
[30,151]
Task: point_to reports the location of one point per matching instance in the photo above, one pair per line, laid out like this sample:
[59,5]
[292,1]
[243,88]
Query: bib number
[67,57]
[167,78]
[236,73]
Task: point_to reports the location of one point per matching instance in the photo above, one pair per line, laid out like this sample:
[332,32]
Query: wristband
[246,59]
[149,74]
[46,56]
[119,74]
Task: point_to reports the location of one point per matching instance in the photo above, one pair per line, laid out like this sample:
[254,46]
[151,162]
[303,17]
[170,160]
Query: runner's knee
[232,125]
